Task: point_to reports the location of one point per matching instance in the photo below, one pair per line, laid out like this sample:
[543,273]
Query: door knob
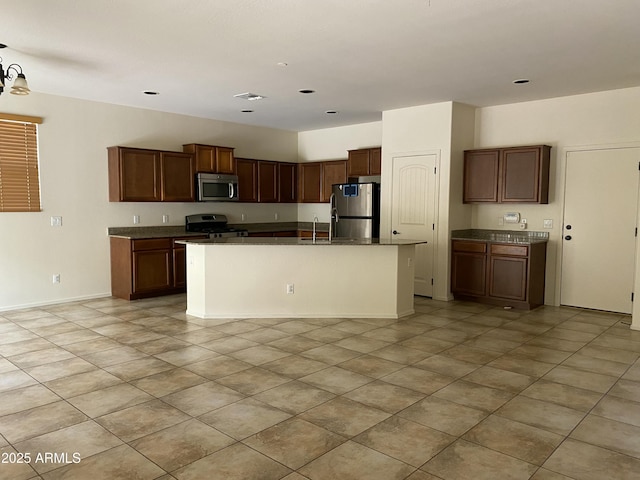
[395,232]
[568,237]
[568,227]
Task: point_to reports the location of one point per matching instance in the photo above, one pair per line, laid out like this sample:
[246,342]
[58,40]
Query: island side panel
[406,276]
[196,281]
[250,281]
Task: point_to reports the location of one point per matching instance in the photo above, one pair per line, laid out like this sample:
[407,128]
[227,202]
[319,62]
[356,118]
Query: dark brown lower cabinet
[500,274]
[309,234]
[283,233]
[152,270]
[179,258]
[147,267]
[469,273]
[508,277]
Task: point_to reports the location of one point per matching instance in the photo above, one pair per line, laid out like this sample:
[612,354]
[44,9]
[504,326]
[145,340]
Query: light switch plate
[56,221]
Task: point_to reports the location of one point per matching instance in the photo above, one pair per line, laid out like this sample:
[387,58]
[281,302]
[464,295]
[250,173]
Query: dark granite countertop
[501,236]
[162,231]
[150,232]
[286,241]
[280,226]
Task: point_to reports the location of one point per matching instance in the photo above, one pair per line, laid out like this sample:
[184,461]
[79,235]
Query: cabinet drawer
[151,244]
[512,250]
[474,247]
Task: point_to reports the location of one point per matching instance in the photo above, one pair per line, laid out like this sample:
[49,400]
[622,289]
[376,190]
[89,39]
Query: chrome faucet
[315,220]
[333,215]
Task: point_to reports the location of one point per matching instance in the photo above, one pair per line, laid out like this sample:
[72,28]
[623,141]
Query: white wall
[462,138]
[420,130]
[73,176]
[333,143]
[604,118]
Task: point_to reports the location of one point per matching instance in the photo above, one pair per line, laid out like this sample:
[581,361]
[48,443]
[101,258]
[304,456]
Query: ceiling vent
[250,96]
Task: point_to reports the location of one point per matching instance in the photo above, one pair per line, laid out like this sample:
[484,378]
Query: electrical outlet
[511,217]
[56,221]
[243,217]
[136,219]
[523,226]
[276,216]
[289,288]
[547,223]
[165,218]
[56,278]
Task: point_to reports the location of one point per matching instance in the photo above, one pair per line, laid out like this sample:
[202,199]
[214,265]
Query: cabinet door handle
[568,237]
[395,232]
[568,227]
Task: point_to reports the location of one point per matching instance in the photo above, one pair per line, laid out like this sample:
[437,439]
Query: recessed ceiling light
[521,81]
[306,91]
[282,64]
[331,112]
[246,111]
[150,92]
[250,96]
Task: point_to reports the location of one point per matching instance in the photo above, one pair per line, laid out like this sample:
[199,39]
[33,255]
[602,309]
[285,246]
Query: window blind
[19,179]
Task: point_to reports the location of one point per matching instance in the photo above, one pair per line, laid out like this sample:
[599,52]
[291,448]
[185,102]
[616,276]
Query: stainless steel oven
[215,224]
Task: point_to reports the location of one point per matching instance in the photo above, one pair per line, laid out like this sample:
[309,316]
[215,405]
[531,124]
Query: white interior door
[600,214]
[413,212]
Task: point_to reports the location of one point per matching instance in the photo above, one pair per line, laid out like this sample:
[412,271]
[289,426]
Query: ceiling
[360,56]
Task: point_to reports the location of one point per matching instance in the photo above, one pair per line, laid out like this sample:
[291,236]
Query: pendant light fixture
[20,86]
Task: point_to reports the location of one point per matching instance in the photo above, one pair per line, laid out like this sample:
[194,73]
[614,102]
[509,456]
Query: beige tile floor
[121,390]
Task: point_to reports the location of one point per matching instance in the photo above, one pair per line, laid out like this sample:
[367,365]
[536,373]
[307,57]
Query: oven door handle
[232,190]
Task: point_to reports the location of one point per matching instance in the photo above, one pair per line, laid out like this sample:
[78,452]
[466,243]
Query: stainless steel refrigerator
[355,210]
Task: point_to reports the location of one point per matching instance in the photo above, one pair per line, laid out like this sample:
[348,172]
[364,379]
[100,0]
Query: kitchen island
[299,278]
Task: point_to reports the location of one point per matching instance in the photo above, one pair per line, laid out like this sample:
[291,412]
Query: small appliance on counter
[355,210]
[214,224]
[215,187]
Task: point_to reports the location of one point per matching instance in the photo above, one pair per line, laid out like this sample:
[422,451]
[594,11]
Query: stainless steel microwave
[214,187]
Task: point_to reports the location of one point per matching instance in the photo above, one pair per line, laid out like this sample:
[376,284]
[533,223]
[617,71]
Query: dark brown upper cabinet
[288,182]
[177,171]
[332,172]
[310,182]
[211,158]
[364,161]
[267,181]
[142,175]
[247,171]
[507,175]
